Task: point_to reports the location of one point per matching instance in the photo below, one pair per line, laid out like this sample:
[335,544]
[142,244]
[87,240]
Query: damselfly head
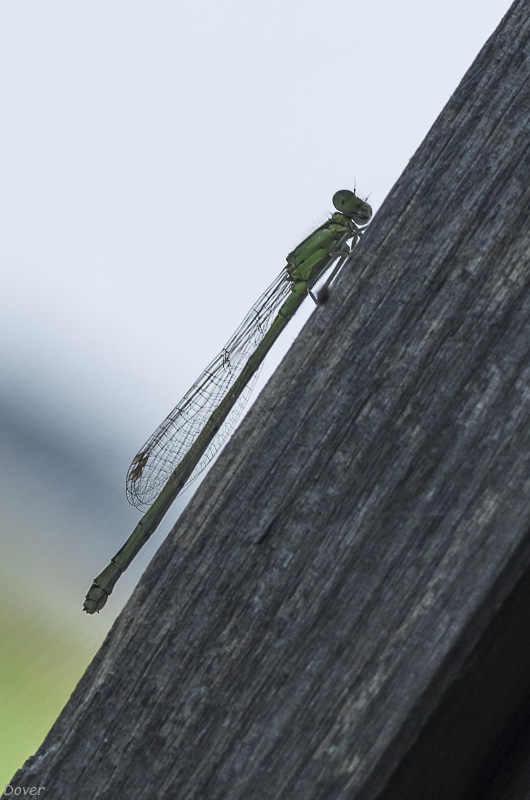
[352,206]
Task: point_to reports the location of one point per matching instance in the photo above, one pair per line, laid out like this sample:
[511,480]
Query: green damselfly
[190,436]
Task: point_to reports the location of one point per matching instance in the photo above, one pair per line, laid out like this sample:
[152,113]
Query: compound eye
[352,206]
[343,200]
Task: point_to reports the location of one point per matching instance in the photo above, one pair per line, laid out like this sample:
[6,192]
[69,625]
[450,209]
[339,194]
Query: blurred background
[158,161]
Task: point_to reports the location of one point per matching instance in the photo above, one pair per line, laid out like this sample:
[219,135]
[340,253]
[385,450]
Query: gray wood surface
[342,610]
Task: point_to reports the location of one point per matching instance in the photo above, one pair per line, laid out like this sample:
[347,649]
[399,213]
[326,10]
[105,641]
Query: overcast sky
[158,162]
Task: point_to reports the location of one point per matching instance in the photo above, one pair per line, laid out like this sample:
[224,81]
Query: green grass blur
[39,668]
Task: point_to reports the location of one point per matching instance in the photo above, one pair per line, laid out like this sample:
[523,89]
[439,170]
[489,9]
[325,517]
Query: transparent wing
[163,451]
